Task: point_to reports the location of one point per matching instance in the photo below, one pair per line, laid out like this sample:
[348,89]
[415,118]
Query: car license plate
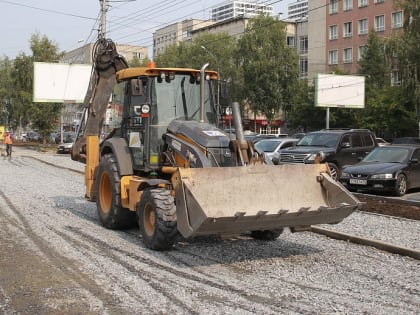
[358,181]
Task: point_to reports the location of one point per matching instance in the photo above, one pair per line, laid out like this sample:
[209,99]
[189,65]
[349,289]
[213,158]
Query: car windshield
[388,155]
[267,145]
[320,139]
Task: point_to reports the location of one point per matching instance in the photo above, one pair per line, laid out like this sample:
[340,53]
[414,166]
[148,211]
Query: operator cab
[146,100]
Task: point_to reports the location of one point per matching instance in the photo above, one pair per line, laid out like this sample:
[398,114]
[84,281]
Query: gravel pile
[47,224]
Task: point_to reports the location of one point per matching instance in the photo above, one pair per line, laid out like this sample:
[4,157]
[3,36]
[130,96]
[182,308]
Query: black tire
[266,235]
[401,185]
[156,214]
[334,171]
[108,196]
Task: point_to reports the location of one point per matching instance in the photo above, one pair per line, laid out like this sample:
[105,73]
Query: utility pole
[102,28]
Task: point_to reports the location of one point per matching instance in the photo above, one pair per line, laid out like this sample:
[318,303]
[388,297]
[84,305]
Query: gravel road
[56,258]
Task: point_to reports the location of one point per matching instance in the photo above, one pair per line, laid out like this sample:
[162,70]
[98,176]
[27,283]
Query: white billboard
[347,91]
[60,82]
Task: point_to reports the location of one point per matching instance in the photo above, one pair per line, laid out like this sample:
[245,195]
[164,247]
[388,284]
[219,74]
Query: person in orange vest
[8,141]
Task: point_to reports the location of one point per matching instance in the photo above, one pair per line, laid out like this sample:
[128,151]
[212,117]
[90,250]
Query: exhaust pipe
[202,86]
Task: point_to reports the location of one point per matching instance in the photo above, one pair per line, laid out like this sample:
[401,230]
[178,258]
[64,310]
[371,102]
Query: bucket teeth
[282,211]
[239,215]
[261,213]
[303,210]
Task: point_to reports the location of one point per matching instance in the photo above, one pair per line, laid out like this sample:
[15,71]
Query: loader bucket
[230,200]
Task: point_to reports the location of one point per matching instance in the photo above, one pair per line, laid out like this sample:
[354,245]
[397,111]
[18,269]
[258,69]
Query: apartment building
[83,55]
[348,23]
[297,10]
[175,33]
[232,9]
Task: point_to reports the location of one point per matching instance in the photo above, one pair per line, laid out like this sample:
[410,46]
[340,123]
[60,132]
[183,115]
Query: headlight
[321,155]
[382,176]
[345,175]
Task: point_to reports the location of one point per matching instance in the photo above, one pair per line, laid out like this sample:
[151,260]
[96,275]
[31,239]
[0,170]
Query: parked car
[271,146]
[33,136]
[393,168]
[406,140]
[298,135]
[65,147]
[68,137]
[337,147]
[381,142]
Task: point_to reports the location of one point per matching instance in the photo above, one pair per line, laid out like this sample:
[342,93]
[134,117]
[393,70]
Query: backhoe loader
[165,165]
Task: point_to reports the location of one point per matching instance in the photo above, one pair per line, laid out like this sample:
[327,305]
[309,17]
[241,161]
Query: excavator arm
[106,63]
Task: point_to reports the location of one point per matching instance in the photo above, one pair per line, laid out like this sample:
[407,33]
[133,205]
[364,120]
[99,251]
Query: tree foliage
[269,68]
[16,89]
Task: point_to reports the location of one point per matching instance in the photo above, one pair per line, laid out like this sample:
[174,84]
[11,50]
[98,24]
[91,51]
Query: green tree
[383,101]
[270,68]
[6,89]
[21,100]
[408,51]
[44,116]
[302,115]
[216,49]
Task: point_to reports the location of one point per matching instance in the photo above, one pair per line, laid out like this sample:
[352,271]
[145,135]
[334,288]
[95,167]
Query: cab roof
[130,73]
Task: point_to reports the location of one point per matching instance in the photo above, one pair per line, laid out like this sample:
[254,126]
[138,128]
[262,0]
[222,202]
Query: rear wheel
[401,185]
[266,235]
[108,196]
[157,218]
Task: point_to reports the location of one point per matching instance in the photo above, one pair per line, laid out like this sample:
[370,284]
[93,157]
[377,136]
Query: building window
[333,32]
[379,1]
[303,44]
[361,53]
[347,29]
[291,42]
[363,27]
[395,78]
[380,23]
[348,5]
[303,67]
[363,3]
[348,55]
[397,19]
[333,57]
[333,6]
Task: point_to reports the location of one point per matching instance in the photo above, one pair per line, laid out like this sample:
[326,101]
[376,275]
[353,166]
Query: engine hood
[308,149]
[374,168]
[204,134]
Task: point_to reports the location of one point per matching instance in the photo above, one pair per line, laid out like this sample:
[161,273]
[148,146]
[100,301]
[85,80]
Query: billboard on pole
[347,91]
[60,82]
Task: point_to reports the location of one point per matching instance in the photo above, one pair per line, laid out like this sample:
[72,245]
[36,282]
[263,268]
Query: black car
[406,140]
[337,147]
[392,168]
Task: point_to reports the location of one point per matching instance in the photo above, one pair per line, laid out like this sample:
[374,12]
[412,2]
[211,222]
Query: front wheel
[157,218]
[266,235]
[108,196]
[400,185]
[334,171]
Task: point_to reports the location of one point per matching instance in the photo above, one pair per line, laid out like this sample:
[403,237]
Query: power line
[47,10]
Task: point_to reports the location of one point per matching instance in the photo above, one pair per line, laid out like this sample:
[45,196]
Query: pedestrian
[8,141]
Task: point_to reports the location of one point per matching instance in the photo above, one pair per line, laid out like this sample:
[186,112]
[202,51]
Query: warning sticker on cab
[214,133]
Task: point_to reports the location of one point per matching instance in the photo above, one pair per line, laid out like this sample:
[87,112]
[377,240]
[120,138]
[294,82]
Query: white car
[65,147]
[271,146]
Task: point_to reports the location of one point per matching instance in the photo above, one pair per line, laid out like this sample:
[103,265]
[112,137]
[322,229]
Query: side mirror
[345,145]
[136,87]
[414,161]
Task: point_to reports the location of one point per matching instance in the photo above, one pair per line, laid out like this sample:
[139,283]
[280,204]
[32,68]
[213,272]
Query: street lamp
[218,74]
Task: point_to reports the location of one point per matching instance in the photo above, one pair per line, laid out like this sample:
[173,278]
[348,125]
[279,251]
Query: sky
[74,23]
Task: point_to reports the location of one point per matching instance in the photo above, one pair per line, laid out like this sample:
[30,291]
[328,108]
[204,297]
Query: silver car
[272,146]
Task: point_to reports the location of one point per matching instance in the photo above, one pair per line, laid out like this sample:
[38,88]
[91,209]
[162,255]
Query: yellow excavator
[155,157]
